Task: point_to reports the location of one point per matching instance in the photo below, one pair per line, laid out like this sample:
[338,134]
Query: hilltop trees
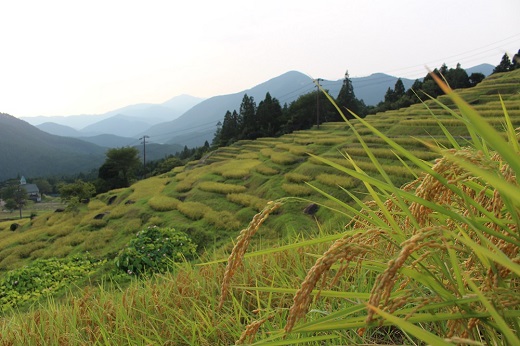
[251,122]
[269,117]
[456,78]
[506,64]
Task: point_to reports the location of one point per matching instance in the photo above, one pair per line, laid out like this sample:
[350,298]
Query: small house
[33,192]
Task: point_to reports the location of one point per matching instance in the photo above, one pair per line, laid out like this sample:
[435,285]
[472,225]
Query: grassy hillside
[211,200]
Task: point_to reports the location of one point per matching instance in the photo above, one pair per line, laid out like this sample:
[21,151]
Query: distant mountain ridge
[197,123]
[26,150]
[147,112]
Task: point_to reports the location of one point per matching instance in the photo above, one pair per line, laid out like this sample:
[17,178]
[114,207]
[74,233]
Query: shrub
[163,203]
[153,249]
[266,170]
[337,180]
[297,177]
[223,188]
[184,185]
[193,210]
[247,200]
[296,189]
[235,169]
[284,158]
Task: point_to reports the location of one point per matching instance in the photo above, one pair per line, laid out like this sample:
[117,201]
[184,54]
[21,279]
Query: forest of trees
[270,119]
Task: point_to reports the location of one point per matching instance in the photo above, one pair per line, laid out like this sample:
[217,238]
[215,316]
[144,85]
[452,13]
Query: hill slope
[28,151]
[213,198]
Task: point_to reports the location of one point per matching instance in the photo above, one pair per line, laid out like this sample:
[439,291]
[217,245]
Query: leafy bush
[297,177]
[284,158]
[296,189]
[337,180]
[247,200]
[223,188]
[163,203]
[42,278]
[193,210]
[153,249]
[266,170]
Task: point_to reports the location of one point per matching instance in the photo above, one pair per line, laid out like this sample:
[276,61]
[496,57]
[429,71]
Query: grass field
[408,261]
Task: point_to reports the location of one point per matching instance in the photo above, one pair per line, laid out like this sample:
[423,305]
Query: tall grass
[433,262]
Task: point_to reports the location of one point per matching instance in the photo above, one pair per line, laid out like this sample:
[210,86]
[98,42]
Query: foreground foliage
[153,250]
[439,256]
[42,278]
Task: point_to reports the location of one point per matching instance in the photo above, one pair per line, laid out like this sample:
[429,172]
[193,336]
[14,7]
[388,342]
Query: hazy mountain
[199,123]
[59,130]
[29,151]
[182,103]
[156,151]
[146,112]
[111,141]
[119,125]
[485,69]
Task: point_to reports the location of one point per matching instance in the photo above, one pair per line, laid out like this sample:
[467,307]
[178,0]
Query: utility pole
[317,81]
[144,153]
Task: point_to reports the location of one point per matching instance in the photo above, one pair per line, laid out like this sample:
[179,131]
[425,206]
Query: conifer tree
[347,99]
[504,66]
[269,116]
[247,113]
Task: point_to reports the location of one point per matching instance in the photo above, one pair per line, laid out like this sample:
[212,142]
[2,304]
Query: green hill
[26,150]
[212,199]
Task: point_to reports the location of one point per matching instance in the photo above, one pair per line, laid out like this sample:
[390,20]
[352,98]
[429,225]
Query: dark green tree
[217,136]
[120,167]
[300,114]
[347,99]
[515,63]
[269,117]
[475,78]
[457,78]
[399,88]
[429,86]
[44,185]
[167,165]
[231,128]
[79,189]
[504,66]
[15,197]
[247,113]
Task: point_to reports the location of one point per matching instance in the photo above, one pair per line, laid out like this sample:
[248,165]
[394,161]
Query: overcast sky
[90,57]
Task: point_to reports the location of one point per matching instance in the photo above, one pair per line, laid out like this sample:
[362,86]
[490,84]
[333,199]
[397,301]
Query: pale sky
[65,57]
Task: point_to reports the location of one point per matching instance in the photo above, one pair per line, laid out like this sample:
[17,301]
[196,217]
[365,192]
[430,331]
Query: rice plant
[438,258]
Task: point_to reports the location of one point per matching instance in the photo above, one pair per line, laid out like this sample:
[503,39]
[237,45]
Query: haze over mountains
[190,121]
